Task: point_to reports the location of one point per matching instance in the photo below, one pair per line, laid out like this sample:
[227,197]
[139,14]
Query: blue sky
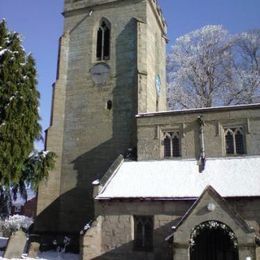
[40,23]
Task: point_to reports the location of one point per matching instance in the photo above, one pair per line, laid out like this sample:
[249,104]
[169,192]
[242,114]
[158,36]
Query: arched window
[171,141]
[234,138]
[103,40]
[167,146]
[143,233]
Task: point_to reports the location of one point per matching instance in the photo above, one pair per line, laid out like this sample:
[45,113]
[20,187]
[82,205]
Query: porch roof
[181,179]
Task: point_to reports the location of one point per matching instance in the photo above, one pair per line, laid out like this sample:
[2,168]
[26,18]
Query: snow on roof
[173,179]
[200,110]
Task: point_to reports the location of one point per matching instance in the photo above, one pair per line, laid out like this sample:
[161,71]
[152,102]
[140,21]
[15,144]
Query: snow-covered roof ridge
[178,179]
[201,110]
[112,170]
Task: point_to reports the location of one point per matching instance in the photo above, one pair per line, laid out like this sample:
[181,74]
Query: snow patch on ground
[49,255]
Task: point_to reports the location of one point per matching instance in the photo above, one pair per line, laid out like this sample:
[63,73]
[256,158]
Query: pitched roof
[213,193]
[179,179]
[200,110]
[210,191]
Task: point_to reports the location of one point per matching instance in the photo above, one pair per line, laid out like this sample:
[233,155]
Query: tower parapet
[72,5]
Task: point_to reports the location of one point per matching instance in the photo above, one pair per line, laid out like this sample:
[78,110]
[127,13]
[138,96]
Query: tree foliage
[210,67]
[19,119]
[19,101]
[246,64]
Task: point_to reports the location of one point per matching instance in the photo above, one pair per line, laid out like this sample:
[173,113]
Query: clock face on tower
[100,73]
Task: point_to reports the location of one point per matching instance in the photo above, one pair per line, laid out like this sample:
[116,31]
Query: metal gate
[213,244]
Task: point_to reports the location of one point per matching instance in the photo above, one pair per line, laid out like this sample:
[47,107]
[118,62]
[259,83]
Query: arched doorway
[213,240]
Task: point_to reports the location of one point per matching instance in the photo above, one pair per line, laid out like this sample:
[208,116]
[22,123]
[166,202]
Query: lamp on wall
[248,258]
[211,207]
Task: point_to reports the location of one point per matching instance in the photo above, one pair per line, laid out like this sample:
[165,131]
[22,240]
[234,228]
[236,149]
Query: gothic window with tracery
[103,40]
[235,143]
[171,141]
[143,233]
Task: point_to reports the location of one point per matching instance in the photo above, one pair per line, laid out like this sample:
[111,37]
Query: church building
[133,180]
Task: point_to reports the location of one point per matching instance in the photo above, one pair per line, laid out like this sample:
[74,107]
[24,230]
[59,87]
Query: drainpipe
[202,158]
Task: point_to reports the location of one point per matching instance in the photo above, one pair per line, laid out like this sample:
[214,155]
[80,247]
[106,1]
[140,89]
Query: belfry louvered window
[103,40]
[235,143]
[171,142]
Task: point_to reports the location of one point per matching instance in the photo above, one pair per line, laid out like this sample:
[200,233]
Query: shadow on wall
[162,249]
[72,210]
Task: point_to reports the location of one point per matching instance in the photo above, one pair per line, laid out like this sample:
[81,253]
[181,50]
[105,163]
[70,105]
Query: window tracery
[103,40]
[234,141]
[171,141]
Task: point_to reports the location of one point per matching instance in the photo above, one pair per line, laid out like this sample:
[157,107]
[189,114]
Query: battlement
[72,5]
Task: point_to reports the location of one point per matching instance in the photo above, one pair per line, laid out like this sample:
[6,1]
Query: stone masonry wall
[117,229]
[222,213]
[93,135]
[150,132]
[49,190]
[87,136]
[117,226]
[156,61]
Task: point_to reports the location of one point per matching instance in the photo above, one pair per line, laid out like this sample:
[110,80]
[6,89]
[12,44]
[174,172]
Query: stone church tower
[111,66]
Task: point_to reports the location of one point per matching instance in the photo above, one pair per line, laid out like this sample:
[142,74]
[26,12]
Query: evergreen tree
[19,118]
